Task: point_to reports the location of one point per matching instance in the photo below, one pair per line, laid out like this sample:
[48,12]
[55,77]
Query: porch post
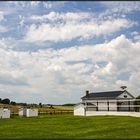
[117,105]
[97,105]
[129,104]
[108,105]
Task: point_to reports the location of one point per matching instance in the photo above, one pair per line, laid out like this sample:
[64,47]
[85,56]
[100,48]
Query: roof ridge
[108,91]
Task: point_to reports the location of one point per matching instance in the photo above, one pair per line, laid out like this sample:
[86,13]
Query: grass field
[69,126]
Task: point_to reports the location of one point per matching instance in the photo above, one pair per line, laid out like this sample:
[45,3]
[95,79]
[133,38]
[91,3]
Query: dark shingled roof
[105,95]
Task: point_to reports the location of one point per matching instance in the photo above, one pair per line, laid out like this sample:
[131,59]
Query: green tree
[6,101]
[40,104]
[13,103]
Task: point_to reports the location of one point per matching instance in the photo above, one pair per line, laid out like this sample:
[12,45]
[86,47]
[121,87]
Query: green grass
[69,126]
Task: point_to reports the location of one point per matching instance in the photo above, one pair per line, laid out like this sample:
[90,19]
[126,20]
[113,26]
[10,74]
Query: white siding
[112,105]
[123,94]
[4,113]
[28,112]
[114,113]
[102,106]
[32,112]
[79,110]
[22,112]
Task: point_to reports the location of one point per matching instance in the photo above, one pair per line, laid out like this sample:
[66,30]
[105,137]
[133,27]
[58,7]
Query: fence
[48,112]
[52,112]
[130,105]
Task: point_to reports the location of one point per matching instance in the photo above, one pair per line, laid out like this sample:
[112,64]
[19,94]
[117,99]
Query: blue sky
[51,52]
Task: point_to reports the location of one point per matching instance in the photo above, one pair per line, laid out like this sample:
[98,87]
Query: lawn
[69,126]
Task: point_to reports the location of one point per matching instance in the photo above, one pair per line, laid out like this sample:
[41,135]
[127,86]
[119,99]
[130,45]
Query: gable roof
[105,95]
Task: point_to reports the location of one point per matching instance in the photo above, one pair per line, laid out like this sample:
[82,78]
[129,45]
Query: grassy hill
[69,126]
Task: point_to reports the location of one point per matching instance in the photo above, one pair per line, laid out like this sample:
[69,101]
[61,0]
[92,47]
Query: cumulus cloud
[51,74]
[69,31]
[54,16]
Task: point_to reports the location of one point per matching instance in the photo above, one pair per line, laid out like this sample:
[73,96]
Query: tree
[40,104]
[13,103]
[6,101]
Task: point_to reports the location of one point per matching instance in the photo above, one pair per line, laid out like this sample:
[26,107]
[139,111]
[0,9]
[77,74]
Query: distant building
[4,113]
[106,103]
[28,112]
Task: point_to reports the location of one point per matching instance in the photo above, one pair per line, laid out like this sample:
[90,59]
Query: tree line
[7,101]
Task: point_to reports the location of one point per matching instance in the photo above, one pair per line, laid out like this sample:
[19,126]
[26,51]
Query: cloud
[69,16]
[69,31]
[121,7]
[52,74]
[1,15]
[9,80]
[136,35]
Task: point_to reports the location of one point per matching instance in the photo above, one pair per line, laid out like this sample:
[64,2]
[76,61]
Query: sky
[52,52]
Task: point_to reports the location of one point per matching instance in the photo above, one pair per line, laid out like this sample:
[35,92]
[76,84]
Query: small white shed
[79,109]
[31,112]
[28,112]
[22,112]
[4,113]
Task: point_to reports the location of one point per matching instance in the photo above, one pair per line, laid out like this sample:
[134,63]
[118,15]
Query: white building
[4,113]
[106,103]
[28,112]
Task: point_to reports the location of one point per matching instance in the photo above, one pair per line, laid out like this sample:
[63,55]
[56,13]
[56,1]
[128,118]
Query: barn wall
[104,113]
[112,106]
[102,106]
[79,110]
[124,93]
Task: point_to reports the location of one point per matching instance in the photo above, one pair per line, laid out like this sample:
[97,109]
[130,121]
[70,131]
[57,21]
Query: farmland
[44,109]
[69,126]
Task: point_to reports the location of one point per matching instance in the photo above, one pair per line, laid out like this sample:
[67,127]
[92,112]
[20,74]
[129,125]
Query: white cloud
[136,35]
[69,16]
[69,31]
[122,7]
[1,15]
[50,76]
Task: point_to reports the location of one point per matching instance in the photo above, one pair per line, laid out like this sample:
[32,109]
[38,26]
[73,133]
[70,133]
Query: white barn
[28,112]
[106,103]
[4,113]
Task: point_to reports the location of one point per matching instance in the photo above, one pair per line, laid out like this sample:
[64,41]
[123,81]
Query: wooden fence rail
[51,112]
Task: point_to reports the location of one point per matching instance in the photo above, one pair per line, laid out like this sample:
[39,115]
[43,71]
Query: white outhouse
[22,112]
[4,113]
[28,112]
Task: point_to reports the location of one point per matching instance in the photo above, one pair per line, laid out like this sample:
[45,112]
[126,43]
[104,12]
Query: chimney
[87,92]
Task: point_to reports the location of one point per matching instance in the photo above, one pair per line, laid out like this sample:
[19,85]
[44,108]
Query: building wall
[79,110]
[31,112]
[115,113]
[112,105]
[103,104]
[4,113]
[123,94]
[22,112]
